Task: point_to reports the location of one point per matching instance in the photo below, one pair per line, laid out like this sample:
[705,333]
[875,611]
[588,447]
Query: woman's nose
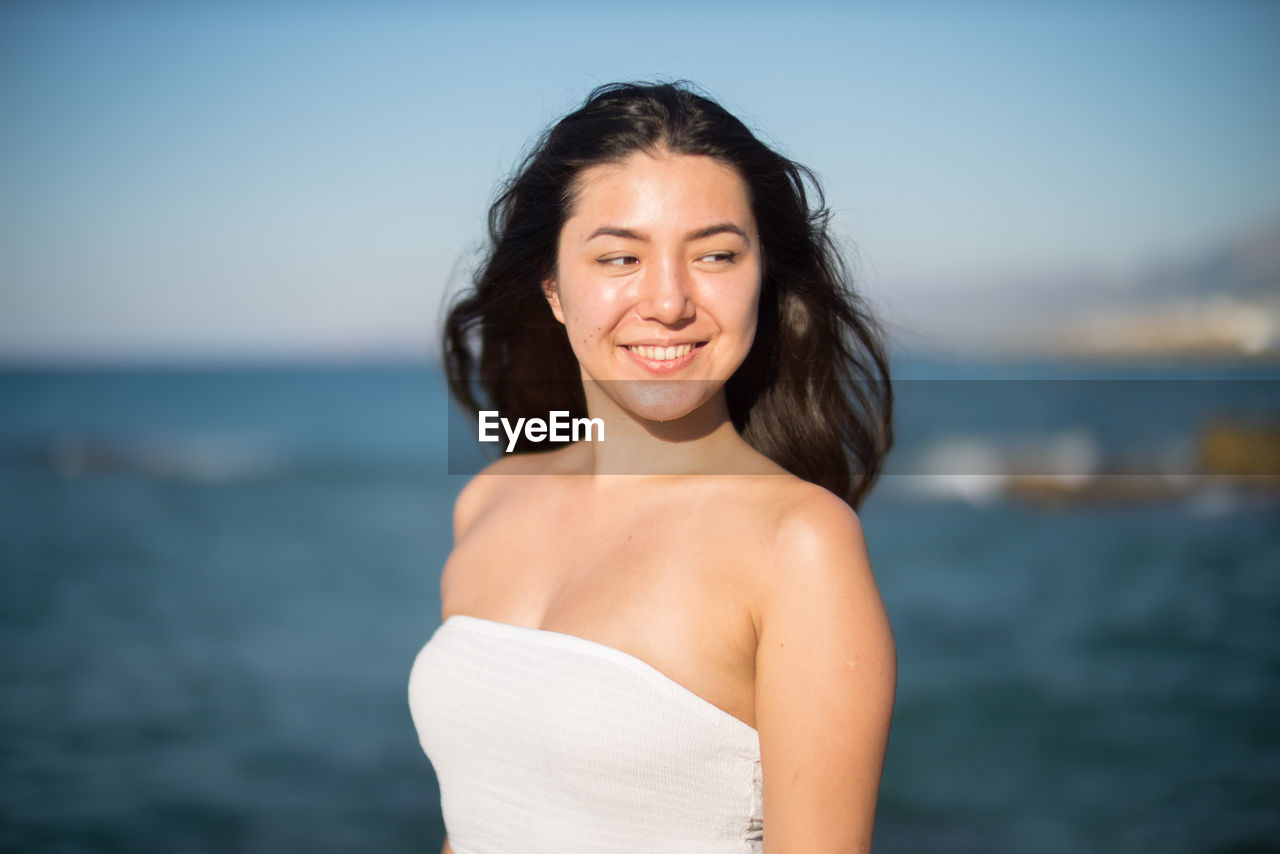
[666,293]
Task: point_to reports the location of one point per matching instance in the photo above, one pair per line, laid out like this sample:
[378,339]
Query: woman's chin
[661,401]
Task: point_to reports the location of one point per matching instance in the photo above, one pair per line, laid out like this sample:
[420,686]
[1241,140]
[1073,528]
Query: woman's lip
[663,366]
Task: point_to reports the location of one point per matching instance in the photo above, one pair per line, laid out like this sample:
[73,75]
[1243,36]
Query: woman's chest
[671,589]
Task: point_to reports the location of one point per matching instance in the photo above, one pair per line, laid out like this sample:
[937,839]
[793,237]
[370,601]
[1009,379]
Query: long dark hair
[813,393]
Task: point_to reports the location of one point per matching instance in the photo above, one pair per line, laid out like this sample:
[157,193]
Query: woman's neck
[702,441]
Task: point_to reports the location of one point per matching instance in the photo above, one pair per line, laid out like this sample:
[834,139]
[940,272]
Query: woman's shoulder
[503,479]
[484,489]
[814,549]
[793,509]
[814,517]
[772,527]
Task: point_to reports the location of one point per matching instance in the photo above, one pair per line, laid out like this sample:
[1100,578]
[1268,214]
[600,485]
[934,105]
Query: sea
[213,582]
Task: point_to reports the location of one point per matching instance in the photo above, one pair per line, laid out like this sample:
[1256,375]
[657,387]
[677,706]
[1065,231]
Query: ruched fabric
[547,742]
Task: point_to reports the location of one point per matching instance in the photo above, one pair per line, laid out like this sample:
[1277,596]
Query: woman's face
[658,278]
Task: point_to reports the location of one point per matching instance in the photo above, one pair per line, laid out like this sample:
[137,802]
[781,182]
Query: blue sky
[305,180]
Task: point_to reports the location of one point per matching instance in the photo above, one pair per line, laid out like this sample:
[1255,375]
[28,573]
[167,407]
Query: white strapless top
[548,742]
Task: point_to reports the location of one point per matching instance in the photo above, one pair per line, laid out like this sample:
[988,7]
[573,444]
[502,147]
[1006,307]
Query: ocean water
[213,583]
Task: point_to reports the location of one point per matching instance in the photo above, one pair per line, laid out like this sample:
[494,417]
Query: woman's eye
[719,257]
[620,261]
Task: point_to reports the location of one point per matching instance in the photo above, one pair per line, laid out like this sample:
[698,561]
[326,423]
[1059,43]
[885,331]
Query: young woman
[671,639]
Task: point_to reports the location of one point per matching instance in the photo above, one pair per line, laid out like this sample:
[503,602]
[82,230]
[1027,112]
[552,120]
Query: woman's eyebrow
[708,231]
[614,231]
[718,228]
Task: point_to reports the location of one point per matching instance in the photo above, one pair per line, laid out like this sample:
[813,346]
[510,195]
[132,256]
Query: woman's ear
[552,293]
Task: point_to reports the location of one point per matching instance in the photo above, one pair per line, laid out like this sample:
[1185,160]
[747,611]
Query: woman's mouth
[661,354]
[663,359]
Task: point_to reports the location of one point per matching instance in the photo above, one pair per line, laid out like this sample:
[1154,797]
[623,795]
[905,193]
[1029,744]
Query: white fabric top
[548,742]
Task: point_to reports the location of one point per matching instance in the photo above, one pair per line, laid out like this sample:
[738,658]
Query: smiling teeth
[662,354]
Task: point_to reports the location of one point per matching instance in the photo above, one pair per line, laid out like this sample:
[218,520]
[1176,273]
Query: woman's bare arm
[826,674]
[446,849]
